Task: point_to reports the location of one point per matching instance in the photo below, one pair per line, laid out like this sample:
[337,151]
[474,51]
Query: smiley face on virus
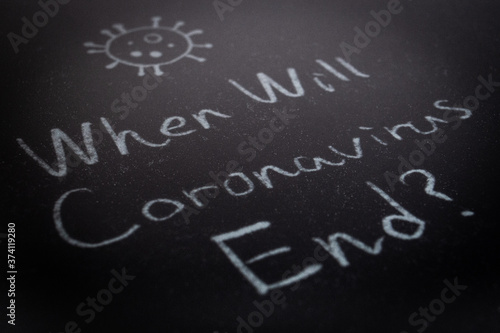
[151,46]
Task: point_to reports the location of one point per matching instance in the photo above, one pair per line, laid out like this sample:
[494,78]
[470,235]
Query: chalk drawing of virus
[150,46]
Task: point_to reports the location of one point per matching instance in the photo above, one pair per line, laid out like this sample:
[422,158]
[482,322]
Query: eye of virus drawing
[150,46]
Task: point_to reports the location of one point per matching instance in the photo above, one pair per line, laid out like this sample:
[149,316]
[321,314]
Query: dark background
[184,283]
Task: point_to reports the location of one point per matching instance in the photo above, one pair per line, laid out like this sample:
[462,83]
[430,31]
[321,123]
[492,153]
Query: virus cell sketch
[150,46]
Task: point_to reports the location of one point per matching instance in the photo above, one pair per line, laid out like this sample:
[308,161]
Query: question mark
[429,187]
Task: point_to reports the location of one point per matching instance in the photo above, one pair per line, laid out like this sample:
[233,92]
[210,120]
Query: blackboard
[250,166]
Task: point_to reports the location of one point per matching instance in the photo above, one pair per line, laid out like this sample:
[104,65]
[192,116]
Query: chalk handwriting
[429,187]
[90,156]
[404,216]
[64,235]
[267,179]
[333,247]
[336,251]
[270,84]
[259,285]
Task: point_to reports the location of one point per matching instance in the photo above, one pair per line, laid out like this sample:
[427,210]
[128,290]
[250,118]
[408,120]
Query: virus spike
[207,45]
[195,32]
[107,33]
[119,27]
[178,24]
[95,51]
[157,69]
[92,44]
[112,65]
[141,71]
[156,21]
[195,58]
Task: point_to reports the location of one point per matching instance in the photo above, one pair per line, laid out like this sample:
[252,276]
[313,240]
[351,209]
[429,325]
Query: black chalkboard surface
[250,166]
